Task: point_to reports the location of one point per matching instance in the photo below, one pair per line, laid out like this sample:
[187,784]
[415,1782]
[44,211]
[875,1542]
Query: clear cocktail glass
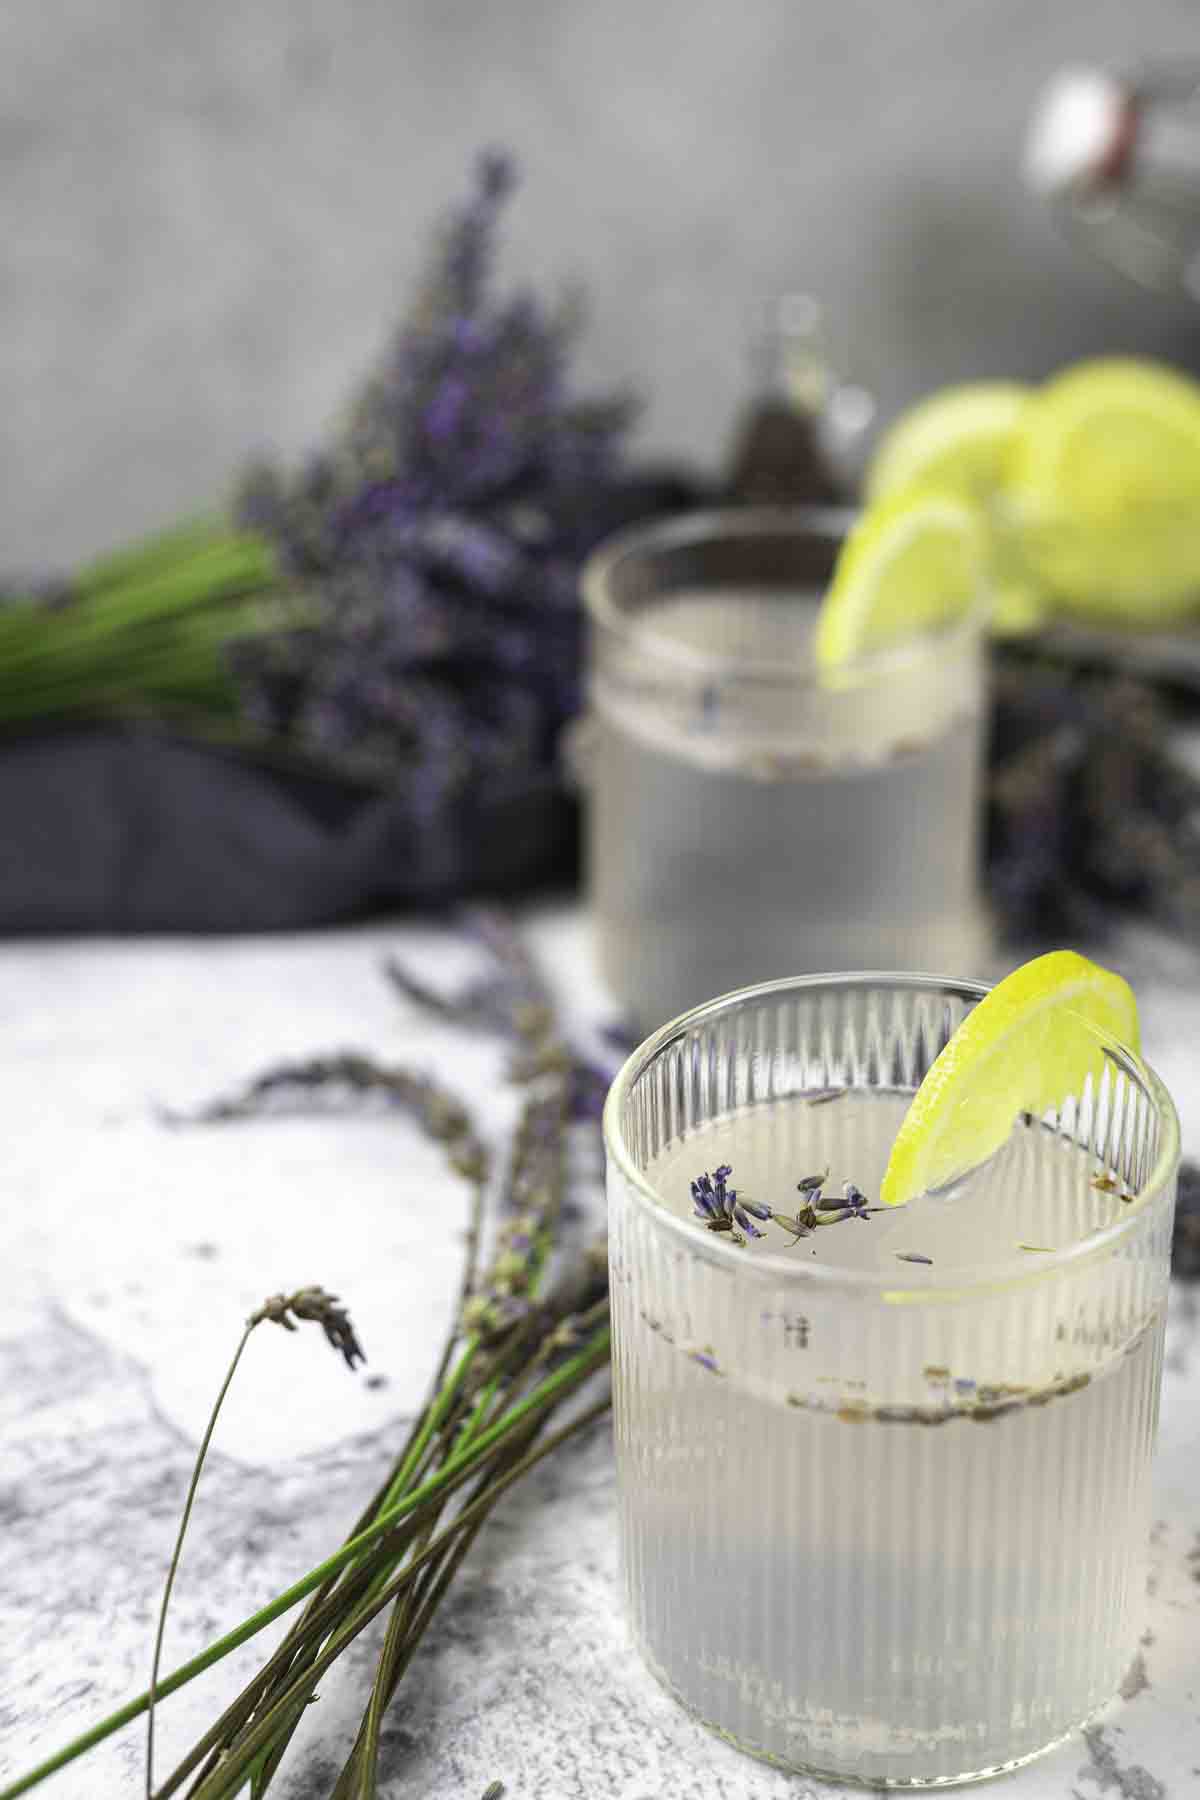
[884,1483]
[749,813]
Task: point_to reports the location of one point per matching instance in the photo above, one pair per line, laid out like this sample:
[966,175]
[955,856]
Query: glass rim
[693,528]
[773,1265]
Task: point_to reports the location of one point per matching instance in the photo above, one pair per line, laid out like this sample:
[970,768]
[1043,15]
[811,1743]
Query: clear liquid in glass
[741,831]
[893,1542]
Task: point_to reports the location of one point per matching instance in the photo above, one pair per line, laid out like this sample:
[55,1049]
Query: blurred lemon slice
[960,438]
[1029,1044]
[1104,488]
[912,564]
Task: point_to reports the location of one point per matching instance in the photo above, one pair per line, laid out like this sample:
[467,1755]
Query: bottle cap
[1078,131]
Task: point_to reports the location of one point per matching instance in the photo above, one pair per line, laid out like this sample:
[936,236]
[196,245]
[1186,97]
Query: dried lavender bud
[719,1207]
[913,1256]
[854,1206]
[315,1304]
[797,1226]
[809,1184]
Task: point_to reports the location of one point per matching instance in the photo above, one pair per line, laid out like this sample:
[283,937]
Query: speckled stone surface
[130,1253]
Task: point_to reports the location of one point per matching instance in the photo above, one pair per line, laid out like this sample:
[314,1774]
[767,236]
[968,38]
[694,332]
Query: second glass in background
[750,817]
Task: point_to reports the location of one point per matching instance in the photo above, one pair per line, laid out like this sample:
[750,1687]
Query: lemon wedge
[912,564]
[1029,1044]
[1103,488]
[960,439]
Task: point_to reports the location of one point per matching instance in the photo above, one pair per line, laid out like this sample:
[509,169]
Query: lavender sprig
[281,1309]
[510,998]
[443,532]
[499,1382]
[342,1080]
[314,1303]
[720,1208]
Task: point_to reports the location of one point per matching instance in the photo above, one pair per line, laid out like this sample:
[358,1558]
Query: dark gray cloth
[128,829]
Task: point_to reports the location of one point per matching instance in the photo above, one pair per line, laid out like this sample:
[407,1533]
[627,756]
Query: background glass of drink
[884,1489]
[748,816]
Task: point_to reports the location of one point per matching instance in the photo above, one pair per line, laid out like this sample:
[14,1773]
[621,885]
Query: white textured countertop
[130,1254]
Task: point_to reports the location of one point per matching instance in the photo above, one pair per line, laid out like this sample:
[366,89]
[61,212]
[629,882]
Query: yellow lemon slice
[1029,1044]
[959,438]
[1103,488]
[912,564]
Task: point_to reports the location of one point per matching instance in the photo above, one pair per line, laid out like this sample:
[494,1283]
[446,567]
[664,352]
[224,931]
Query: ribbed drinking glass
[884,1486]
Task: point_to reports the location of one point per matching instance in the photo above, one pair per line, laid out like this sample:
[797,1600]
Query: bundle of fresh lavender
[444,530]
[530,1332]
[405,605]
[144,629]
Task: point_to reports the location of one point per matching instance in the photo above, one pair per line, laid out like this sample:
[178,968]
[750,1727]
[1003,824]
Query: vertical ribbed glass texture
[881,1524]
[748,816]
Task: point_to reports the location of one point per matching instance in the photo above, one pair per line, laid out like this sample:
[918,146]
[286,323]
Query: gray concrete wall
[209,212]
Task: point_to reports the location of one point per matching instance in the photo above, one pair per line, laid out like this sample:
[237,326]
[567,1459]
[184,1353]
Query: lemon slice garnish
[1028,1045]
[913,564]
[1103,488]
[959,438]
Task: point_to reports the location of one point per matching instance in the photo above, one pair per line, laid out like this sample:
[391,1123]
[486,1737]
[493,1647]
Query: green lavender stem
[441,1117]
[438,1408]
[189,662]
[233,1769]
[144,624]
[377,1574]
[286,1704]
[193,1484]
[225,570]
[311,1630]
[296,1651]
[157,554]
[453,1473]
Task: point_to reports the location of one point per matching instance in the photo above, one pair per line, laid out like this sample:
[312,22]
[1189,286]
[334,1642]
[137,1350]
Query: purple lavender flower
[721,1208]
[854,1205]
[440,537]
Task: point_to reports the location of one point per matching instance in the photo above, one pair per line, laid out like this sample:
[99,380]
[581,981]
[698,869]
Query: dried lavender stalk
[342,1081]
[309,1303]
[514,1355]
[510,998]
[513,1335]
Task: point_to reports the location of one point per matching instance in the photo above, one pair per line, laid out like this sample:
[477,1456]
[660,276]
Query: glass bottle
[804,429]
[1117,158]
